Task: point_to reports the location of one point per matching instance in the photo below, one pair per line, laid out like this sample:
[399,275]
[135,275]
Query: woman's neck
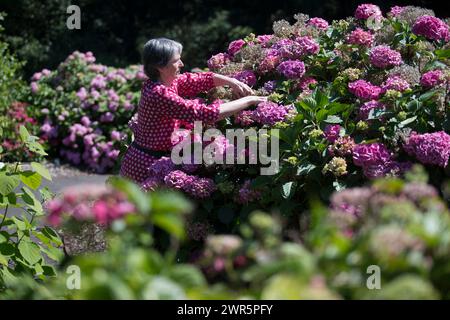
[166,81]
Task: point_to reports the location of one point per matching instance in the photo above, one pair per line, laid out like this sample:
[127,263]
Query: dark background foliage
[115,30]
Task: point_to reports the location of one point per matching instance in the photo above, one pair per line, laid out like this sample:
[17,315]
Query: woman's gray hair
[157,53]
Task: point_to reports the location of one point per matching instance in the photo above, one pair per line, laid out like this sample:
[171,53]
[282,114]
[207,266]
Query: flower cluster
[248,77]
[96,203]
[365,11]
[429,148]
[235,46]
[364,90]
[432,28]
[292,69]
[247,194]
[269,113]
[319,23]
[218,61]
[432,78]
[331,132]
[384,57]
[360,37]
[395,83]
[365,108]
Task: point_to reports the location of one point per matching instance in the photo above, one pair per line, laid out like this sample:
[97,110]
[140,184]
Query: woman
[166,104]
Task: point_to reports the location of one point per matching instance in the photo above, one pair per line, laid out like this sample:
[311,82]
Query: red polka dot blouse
[162,110]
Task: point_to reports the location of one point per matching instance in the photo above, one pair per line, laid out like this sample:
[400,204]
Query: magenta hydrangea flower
[384,57]
[429,148]
[431,28]
[331,132]
[307,45]
[218,61]
[305,83]
[360,37]
[270,61]
[395,83]
[269,113]
[235,46]
[34,87]
[287,48]
[201,187]
[365,11]
[292,69]
[432,78]
[177,179]
[246,194]
[364,90]
[382,169]
[396,10]
[247,77]
[371,154]
[161,167]
[244,118]
[263,39]
[319,23]
[364,109]
[98,82]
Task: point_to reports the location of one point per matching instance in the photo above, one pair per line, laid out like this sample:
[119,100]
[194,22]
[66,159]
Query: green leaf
[427,95]
[170,202]
[287,189]
[135,194]
[46,194]
[407,121]
[8,183]
[305,168]
[333,120]
[3,260]
[29,251]
[442,53]
[36,147]
[43,171]
[170,222]
[31,179]
[24,134]
[29,198]
[21,225]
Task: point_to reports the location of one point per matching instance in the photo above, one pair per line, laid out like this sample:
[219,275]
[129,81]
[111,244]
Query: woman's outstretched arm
[229,108]
[239,88]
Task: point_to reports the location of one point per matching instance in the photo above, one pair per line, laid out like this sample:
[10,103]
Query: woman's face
[172,69]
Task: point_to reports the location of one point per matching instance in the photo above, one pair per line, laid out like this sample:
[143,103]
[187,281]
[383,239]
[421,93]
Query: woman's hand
[240,89]
[254,100]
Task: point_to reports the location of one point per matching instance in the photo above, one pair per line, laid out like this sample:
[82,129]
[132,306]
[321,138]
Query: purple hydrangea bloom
[292,69]
[161,167]
[269,113]
[247,77]
[384,57]
[331,132]
[270,86]
[429,148]
[244,118]
[246,194]
[371,154]
[307,45]
[201,187]
[177,179]
[396,10]
[431,28]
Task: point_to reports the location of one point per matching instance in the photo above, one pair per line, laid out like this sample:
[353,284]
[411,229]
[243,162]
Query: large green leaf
[31,179]
[287,189]
[29,198]
[170,222]
[43,171]
[29,251]
[8,183]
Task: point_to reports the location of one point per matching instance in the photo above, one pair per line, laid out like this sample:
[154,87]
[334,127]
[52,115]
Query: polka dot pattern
[161,111]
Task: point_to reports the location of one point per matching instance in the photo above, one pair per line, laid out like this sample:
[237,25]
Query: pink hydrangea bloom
[431,28]
[270,61]
[331,132]
[218,61]
[364,110]
[34,87]
[371,154]
[395,83]
[319,23]
[263,39]
[364,90]
[384,57]
[269,113]
[429,148]
[304,83]
[244,118]
[396,10]
[247,77]
[432,78]
[360,37]
[292,69]
[235,46]
[364,11]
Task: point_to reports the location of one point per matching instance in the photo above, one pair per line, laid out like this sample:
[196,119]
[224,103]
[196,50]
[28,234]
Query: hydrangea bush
[84,109]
